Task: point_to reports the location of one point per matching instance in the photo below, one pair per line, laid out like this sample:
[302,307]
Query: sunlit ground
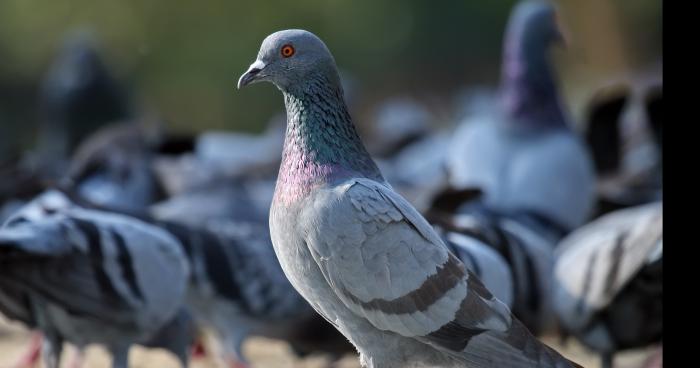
[262,353]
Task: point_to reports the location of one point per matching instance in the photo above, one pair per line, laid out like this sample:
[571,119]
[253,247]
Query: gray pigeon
[78,95]
[512,260]
[359,253]
[522,154]
[624,133]
[113,167]
[86,276]
[608,281]
[238,288]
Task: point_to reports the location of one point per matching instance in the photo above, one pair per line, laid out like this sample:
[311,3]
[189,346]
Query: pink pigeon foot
[198,350]
[31,356]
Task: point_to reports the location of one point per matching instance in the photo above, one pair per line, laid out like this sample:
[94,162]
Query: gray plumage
[113,167]
[510,258]
[399,121]
[416,171]
[237,287]
[522,153]
[240,154]
[361,255]
[608,280]
[623,131]
[86,276]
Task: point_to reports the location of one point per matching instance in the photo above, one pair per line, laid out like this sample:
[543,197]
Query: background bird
[85,276]
[522,153]
[623,132]
[237,288]
[79,94]
[608,281]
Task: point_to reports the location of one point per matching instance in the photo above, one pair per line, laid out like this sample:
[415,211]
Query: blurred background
[182,58]
[180,61]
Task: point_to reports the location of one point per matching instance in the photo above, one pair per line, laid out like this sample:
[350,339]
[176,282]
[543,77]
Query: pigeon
[86,276]
[221,156]
[512,260]
[78,95]
[113,167]
[522,153]
[608,281]
[407,151]
[358,252]
[400,121]
[243,154]
[416,171]
[623,132]
[602,132]
[238,288]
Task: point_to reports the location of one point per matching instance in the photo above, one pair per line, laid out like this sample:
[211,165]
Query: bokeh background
[181,59]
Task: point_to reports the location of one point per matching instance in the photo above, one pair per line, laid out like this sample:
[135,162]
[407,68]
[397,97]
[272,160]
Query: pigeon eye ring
[287,51]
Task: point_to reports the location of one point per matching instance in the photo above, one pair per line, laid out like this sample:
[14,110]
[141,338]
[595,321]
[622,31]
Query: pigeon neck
[528,87]
[321,144]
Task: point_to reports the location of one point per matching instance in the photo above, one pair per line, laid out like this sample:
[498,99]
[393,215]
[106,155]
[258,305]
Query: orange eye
[287,50]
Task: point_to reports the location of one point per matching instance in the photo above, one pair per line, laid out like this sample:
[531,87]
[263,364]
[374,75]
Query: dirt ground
[262,353]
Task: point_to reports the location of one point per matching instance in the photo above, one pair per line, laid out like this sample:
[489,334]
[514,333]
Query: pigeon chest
[298,263]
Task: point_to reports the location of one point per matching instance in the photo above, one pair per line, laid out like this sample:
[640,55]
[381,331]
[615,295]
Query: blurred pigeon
[513,261]
[623,133]
[238,289]
[224,199]
[653,101]
[522,153]
[399,121]
[87,276]
[78,96]
[362,256]
[240,153]
[113,167]
[222,156]
[411,156]
[603,131]
[416,171]
[19,185]
[608,281]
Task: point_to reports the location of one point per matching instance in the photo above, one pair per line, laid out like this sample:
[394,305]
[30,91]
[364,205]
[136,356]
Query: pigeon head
[528,83]
[78,95]
[321,142]
[533,25]
[289,58]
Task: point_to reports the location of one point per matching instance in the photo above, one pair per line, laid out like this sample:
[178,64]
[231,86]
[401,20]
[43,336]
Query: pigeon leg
[606,360]
[77,360]
[51,350]
[120,357]
[31,357]
[237,360]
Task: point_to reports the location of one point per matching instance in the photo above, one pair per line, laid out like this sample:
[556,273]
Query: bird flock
[451,248]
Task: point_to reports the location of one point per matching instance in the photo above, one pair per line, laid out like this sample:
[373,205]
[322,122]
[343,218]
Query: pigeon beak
[252,74]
